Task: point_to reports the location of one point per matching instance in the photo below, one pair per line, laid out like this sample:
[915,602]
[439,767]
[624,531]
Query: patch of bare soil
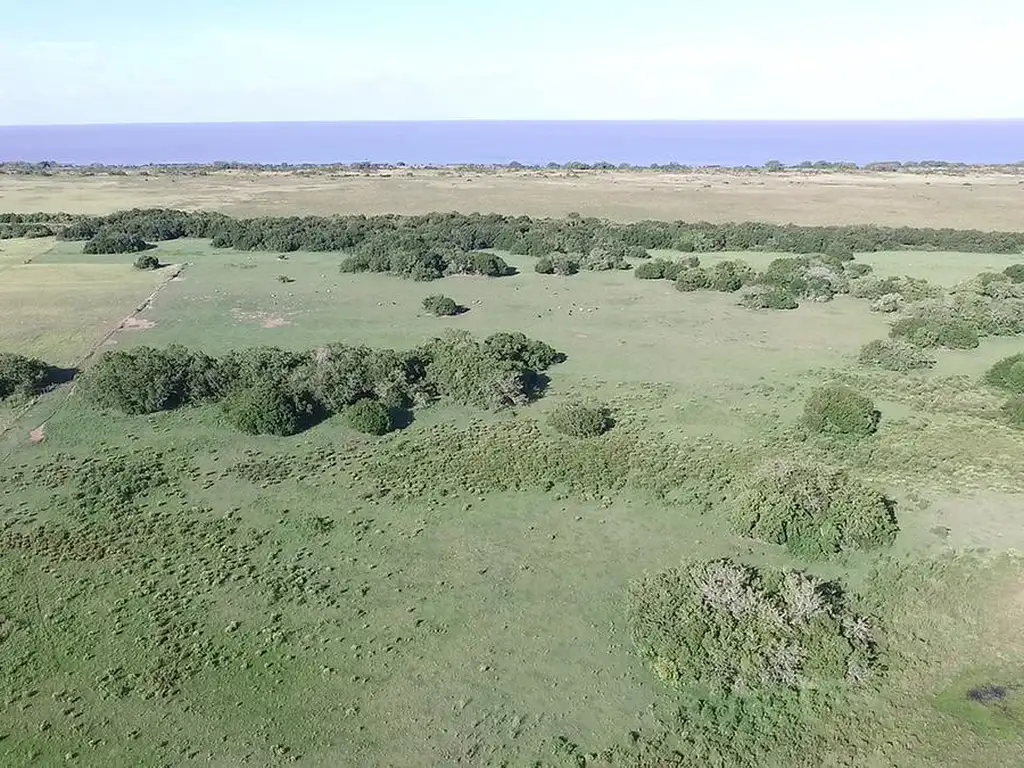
[135,323]
[37,435]
[265,319]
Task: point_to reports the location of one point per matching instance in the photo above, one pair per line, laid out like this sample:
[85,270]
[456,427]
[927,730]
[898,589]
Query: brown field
[990,201]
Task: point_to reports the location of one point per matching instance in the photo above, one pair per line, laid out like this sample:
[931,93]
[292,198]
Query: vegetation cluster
[267,390]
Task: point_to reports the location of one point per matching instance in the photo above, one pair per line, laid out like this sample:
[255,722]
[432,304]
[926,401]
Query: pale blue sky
[103,61]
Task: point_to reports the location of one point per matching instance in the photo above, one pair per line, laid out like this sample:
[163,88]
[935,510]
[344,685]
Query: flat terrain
[989,202]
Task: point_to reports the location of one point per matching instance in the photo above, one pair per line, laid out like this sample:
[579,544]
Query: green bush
[1007,374]
[637,252]
[890,302]
[949,332]
[369,416]
[578,419]
[910,288]
[814,511]
[1013,411]
[519,348]
[730,276]
[693,279]
[544,266]
[22,376]
[723,627]
[651,270]
[602,259]
[441,306]
[768,297]
[839,251]
[857,269]
[265,408]
[565,265]
[1015,272]
[147,261]
[838,410]
[895,355]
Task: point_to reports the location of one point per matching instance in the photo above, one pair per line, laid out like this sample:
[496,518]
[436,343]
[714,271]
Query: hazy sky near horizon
[111,61]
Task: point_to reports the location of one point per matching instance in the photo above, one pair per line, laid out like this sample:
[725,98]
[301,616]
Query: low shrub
[693,279]
[839,251]
[768,297]
[441,306]
[602,259]
[814,511]
[265,408]
[1015,272]
[1013,411]
[890,302]
[910,288]
[949,332]
[369,416]
[1007,374]
[544,266]
[22,376]
[578,419]
[651,270]
[730,276]
[637,252]
[895,355]
[856,270]
[838,410]
[147,261]
[723,627]
[285,279]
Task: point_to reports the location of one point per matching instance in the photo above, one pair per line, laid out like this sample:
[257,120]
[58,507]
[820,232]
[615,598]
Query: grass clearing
[175,592]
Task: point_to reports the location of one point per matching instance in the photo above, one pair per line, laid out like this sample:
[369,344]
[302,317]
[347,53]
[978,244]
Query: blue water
[530,143]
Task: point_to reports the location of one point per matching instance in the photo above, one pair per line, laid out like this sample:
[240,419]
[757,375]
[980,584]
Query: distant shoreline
[49,168]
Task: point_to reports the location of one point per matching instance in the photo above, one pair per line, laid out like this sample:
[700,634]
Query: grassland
[989,201]
[454,593]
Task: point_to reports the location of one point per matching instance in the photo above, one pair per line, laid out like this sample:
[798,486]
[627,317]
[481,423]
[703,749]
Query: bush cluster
[909,288]
[666,269]
[730,628]
[147,261]
[107,241]
[895,355]
[936,330]
[730,275]
[814,511]
[558,264]
[369,416]
[578,419]
[22,376]
[1007,374]
[767,297]
[441,306]
[838,410]
[267,390]
[414,256]
[1013,411]
[1015,272]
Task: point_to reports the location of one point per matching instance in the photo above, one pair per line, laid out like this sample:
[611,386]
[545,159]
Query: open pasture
[455,592]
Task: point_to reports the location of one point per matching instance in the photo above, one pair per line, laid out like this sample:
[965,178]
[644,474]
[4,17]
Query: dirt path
[81,365]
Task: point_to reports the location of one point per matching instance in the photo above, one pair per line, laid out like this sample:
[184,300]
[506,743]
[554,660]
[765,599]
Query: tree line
[521,235]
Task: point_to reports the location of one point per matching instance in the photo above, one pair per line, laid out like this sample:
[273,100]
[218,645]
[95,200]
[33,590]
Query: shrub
[565,265]
[578,419]
[637,252]
[147,261]
[1007,374]
[519,348]
[544,266]
[604,259]
[489,265]
[651,270]
[22,376]
[857,269]
[1015,272]
[285,279]
[767,297]
[730,276]
[116,242]
[838,410]
[441,306]
[911,288]
[839,251]
[949,332]
[890,302]
[824,282]
[1013,411]
[265,408]
[369,416]
[726,628]
[693,279]
[895,355]
[814,511]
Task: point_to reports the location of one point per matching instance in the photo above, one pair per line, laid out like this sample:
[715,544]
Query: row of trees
[267,390]
[517,234]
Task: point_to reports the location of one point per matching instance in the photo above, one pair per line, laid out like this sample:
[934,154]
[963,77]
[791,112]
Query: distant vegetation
[23,376]
[578,419]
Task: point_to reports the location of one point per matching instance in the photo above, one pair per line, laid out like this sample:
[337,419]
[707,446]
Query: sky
[140,61]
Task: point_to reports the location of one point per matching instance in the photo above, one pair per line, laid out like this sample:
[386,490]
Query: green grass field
[454,593]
